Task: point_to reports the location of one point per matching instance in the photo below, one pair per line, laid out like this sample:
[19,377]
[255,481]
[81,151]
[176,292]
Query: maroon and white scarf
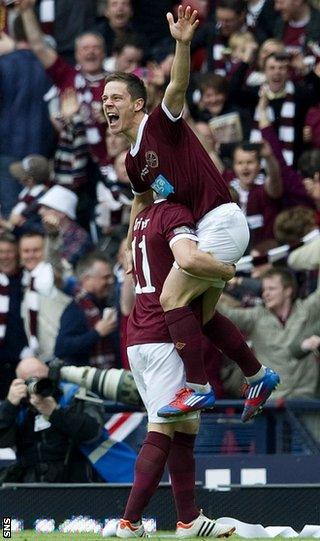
[286,123]
[102,354]
[28,196]
[4,304]
[39,281]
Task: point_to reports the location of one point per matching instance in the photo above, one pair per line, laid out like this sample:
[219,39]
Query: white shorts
[224,232]
[159,373]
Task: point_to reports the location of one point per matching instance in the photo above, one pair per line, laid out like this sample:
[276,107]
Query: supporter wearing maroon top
[167,157]
[87,79]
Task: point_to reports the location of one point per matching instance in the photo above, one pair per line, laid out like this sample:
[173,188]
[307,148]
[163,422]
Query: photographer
[44,431]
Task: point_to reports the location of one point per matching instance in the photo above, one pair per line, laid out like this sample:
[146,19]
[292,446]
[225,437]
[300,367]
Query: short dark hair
[309,163]
[213,80]
[135,85]
[246,146]
[86,263]
[287,278]
[8,237]
[130,40]
[90,33]
[279,57]
[238,6]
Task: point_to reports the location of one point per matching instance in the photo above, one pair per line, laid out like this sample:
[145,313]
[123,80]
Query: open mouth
[112,119]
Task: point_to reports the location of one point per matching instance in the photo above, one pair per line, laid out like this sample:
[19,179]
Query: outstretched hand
[184,28]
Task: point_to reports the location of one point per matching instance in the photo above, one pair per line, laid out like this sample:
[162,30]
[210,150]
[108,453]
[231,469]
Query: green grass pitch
[56,536]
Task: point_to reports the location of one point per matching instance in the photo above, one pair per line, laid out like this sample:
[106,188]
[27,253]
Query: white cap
[62,199]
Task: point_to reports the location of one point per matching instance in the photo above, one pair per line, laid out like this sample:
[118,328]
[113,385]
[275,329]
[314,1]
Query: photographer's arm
[9,410]
[80,426]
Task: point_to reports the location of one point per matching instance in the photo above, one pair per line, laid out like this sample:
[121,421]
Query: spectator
[294,186]
[126,56]
[259,194]
[271,329]
[298,24]
[64,20]
[287,105]
[12,335]
[115,23]
[230,18]
[38,279]
[86,334]
[214,103]
[33,173]
[261,17]
[23,84]
[46,432]
[306,342]
[67,241]
[87,78]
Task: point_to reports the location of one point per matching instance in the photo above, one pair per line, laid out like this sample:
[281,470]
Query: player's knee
[162,428]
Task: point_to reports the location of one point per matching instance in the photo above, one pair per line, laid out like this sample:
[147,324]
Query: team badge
[152,158]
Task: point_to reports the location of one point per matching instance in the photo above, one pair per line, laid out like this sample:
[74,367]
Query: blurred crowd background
[65,197]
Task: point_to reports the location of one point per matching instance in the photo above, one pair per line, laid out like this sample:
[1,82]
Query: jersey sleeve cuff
[183,236]
[168,114]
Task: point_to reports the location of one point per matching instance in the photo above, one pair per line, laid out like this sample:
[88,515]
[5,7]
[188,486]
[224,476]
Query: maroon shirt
[154,229]
[169,158]
[89,90]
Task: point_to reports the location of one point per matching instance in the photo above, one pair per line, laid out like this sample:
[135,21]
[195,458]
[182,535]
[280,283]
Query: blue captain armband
[162,186]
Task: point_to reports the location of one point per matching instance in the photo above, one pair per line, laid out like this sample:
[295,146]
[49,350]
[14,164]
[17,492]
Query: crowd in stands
[65,197]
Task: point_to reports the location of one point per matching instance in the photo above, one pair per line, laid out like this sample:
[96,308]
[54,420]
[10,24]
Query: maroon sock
[181,466]
[226,336]
[148,472]
[186,334]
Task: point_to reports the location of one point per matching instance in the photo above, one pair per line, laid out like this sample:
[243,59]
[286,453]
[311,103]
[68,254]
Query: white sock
[257,376]
[199,388]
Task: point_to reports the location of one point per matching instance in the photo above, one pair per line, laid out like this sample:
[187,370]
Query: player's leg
[227,336]
[185,330]
[158,373]
[181,466]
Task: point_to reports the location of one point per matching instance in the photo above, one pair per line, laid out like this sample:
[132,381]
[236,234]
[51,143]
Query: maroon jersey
[154,229]
[169,158]
[89,91]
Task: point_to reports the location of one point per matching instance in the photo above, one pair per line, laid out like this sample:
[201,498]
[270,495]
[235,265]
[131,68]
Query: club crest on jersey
[162,186]
[152,158]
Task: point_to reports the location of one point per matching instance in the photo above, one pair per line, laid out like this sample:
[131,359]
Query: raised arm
[273,184]
[182,31]
[41,49]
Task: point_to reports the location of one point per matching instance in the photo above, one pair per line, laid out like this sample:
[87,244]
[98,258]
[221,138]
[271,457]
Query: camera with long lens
[113,384]
[41,386]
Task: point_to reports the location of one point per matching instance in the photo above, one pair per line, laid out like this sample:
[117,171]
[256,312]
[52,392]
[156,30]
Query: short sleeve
[165,125]
[178,223]
[138,186]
